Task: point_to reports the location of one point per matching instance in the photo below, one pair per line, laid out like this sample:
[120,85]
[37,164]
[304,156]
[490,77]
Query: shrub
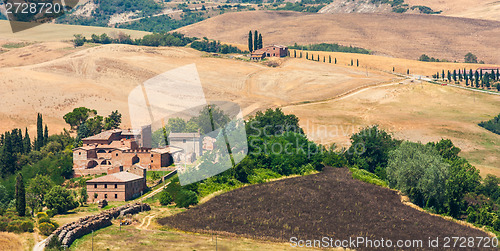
[41,215]
[46,228]
[26,226]
[185,198]
[165,198]
[261,175]
[3,225]
[43,219]
[367,177]
[51,213]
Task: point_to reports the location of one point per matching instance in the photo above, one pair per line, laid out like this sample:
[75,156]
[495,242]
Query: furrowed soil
[329,203]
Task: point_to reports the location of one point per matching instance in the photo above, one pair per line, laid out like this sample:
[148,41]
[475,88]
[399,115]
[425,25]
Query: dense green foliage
[301,7]
[154,40]
[419,172]
[164,23]
[20,196]
[165,198]
[11,222]
[214,47]
[330,47]
[87,123]
[492,125]
[370,149]
[367,177]
[60,199]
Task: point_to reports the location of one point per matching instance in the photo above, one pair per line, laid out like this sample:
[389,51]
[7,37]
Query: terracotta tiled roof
[117,177]
[103,135]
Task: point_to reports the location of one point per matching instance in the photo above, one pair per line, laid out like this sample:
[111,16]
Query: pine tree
[20,196]
[256,41]
[250,41]
[39,132]
[260,41]
[459,75]
[26,142]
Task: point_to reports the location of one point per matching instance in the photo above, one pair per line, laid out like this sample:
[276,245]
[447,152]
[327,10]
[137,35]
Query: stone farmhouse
[120,186]
[115,149]
[270,51]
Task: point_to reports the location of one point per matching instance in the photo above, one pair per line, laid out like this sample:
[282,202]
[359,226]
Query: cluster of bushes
[425,58]
[492,125]
[155,39]
[11,222]
[432,175]
[214,47]
[330,47]
[45,224]
[183,196]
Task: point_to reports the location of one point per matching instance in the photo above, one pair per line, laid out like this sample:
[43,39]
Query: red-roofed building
[270,51]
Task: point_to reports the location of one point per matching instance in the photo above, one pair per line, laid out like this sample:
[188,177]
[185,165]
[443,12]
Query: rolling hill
[394,35]
[329,203]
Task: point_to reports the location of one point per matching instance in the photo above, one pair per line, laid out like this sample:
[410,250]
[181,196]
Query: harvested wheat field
[396,35]
[101,78]
[58,32]
[329,203]
[10,241]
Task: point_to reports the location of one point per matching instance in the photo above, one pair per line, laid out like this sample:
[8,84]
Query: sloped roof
[117,177]
[103,135]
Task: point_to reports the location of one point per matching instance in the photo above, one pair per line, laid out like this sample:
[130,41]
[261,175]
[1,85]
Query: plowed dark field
[330,204]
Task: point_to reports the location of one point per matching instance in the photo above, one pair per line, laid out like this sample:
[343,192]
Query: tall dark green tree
[46,135]
[20,196]
[39,132]
[256,40]
[260,41]
[26,142]
[357,62]
[250,41]
[471,74]
[454,75]
[442,75]
[335,60]
[449,76]
[352,62]
[330,59]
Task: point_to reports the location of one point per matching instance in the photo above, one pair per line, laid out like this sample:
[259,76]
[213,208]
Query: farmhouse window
[106,195]
[105,185]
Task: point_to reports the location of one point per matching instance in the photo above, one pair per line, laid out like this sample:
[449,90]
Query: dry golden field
[395,35]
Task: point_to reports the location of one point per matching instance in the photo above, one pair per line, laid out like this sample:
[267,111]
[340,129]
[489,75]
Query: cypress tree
[476,79]
[260,41]
[46,135]
[20,196]
[493,75]
[466,81]
[442,75]
[255,41]
[250,41]
[408,72]
[301,54]
[330,59]
[352,62]
[307,55]
[26,142]
[294,53]
[471,74]
[39,132]
[481,73]
[449,76]
[324,59]
[357,63]
[318,57]
[335,60]
[498,74]
[454,75]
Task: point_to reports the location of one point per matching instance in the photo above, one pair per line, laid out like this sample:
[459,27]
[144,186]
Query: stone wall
[74,230]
